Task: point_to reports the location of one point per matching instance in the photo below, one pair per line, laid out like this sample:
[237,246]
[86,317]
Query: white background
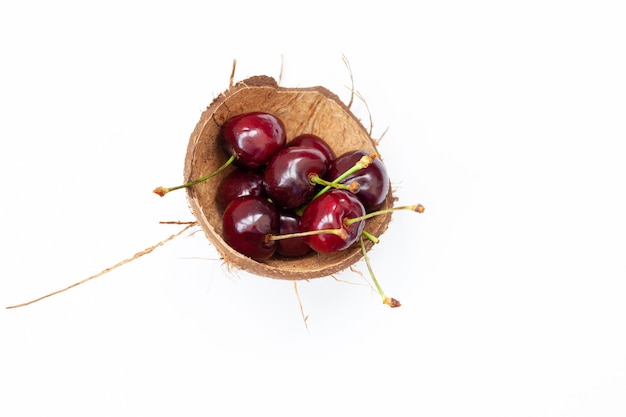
[506,120]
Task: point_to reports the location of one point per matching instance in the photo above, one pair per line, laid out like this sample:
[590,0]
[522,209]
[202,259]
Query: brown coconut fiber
[313,110]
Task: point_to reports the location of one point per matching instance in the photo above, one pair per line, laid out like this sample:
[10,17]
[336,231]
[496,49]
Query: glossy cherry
[329,212]
[249,139]
[238,183]
[247,221]
[288,175]
[253,138]
[373,181]
[316,142]
[290,223]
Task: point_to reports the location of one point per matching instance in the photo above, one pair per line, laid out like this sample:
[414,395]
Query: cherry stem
[418,208]
[362,163]
[162,190]
[370,236]
[353,187]
[391,302]
[339,232]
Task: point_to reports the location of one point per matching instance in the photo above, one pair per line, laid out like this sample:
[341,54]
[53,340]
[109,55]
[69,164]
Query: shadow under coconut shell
[312,110]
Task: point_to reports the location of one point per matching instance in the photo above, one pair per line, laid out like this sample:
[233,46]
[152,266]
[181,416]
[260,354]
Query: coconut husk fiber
[313,110]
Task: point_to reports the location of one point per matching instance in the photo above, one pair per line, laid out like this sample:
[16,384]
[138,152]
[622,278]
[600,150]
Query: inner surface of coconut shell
[312,110]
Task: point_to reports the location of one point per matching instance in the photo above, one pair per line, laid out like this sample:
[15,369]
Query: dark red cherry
[328,212]
[373,181]
[252,137]
[287,176]
[238,183]
[296,246]
[246,222]
[316,142]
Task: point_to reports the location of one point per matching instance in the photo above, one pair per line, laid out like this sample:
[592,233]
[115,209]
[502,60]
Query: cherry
[247,221]
[290,223]
[253,138]
[373,180]
[331,210]
[316,142]
[238,183]
[289,175]
[249,139]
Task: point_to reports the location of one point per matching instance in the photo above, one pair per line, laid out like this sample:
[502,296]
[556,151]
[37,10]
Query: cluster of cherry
[291,198]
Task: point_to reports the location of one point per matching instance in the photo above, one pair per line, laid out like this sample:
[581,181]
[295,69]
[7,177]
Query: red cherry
[288,174]
[253,138]
[316,142]
[238,183]
[249,139]
[329,212]
[247,221]
[373,181]
[290,223]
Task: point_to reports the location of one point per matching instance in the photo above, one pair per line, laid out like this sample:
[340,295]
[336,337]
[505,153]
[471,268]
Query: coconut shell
[312,110]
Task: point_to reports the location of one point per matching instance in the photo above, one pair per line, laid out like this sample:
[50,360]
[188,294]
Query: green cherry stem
[418,208]
[341,232]
[163,190]
[370,236]
[362,163]
[353,187]
[391,302]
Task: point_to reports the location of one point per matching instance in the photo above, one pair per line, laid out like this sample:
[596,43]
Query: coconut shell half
[312,110]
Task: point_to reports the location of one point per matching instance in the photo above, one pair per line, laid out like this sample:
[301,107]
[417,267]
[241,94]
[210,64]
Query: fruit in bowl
[308,112]
[266,186]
